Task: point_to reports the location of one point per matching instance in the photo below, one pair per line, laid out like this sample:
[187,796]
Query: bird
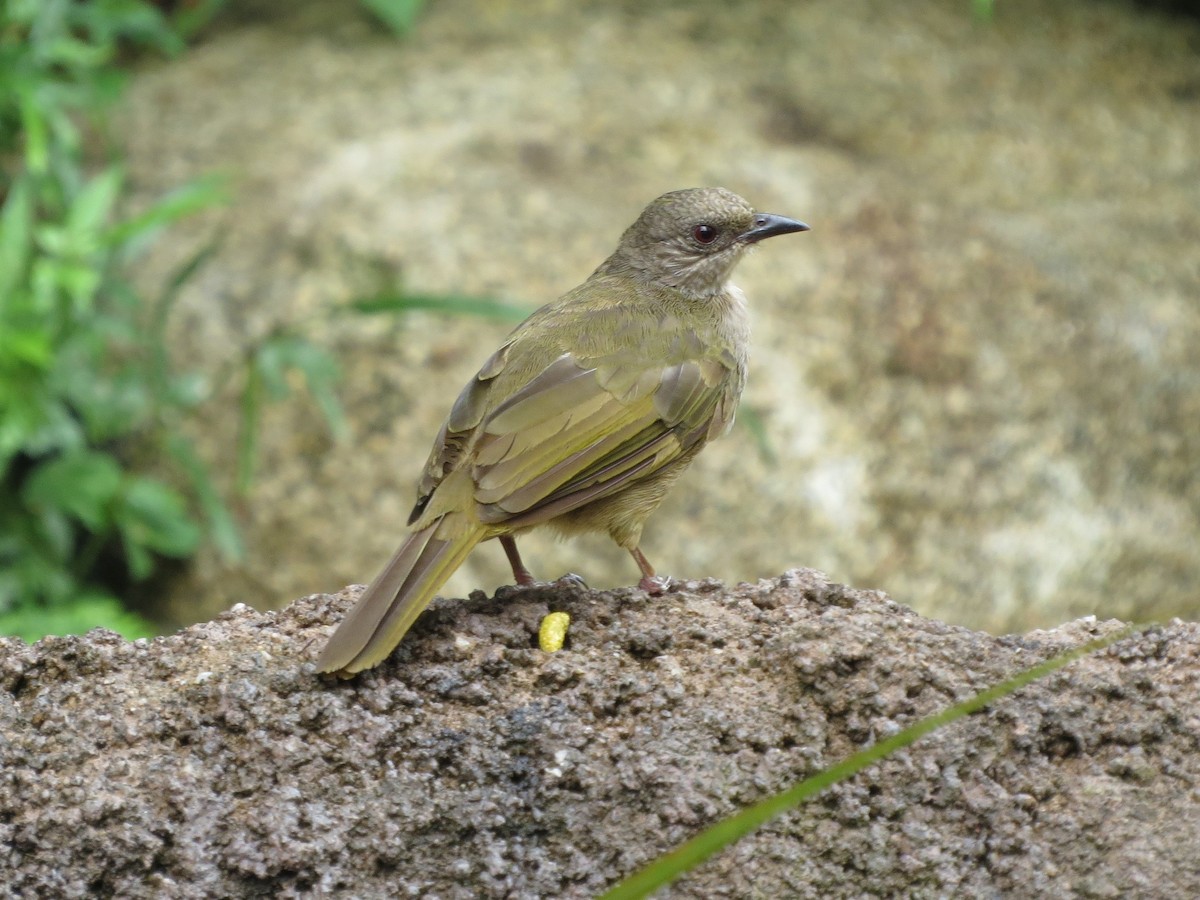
[585,416]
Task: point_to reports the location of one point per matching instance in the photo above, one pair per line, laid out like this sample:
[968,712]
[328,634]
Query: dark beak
[767,225]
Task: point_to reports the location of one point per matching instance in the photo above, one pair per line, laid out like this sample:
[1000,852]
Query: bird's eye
[704,234]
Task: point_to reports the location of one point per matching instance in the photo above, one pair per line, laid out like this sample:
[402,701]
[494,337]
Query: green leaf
[189,18]
[758,430]
[284,353]
[55,534]
[271,363]
[221,527]
[155,516]
[71,52]
[133,20]
[250,410]
[452,305]
[321,373]
[36,131]
[65,136]
[82,483]
[49,426]
[667,868]
[182,391]
[138,558]
[267,377]
[16,241]
[34,423]
[21,12]
[112,408]
[28,346]
[35,554]
[84,612]
[79,281]
[186,391]
[171,291]
[202,193]
[91,208]
[398,15]
[983,10]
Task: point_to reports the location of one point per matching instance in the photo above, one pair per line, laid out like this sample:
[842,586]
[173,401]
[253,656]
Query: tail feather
[392,602]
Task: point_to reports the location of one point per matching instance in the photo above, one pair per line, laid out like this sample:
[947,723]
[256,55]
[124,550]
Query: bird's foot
[654,585]
[570,581]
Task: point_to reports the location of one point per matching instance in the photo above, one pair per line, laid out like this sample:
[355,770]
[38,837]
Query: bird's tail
[392,602]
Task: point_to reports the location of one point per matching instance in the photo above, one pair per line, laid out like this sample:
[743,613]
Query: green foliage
[398,15]
[82,370]
[82,614]
[86,380]
[267,378]
[89,394]
[666,869]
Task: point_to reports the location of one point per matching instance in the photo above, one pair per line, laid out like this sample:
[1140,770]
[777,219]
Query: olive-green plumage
[585,416]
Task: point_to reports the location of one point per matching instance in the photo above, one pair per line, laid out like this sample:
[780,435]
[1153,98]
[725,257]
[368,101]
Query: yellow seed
[553,631]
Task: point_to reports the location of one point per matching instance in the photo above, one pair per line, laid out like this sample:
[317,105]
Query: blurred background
[250,252]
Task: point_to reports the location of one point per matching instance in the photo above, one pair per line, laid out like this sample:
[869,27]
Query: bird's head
[692,239]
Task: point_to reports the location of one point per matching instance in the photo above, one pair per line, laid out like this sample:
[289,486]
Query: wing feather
[576,433]
[560,386]
[533,469]
[466,414]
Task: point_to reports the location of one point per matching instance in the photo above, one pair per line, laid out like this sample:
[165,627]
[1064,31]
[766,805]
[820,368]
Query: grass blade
[250,412]
[449,304]
[398,15]
[670,866]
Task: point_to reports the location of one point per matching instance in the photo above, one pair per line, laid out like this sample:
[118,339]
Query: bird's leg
[522,575]
[652,584]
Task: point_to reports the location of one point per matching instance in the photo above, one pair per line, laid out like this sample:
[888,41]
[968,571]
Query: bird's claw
[570,580]
[655,584]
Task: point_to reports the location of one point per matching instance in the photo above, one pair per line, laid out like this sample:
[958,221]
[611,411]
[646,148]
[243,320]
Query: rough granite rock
[215,763]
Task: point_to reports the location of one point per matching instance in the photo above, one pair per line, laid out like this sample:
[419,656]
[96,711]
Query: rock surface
[214,763]
[977,379]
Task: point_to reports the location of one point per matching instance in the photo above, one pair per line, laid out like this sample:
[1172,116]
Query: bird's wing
[582,430]
[466,414]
